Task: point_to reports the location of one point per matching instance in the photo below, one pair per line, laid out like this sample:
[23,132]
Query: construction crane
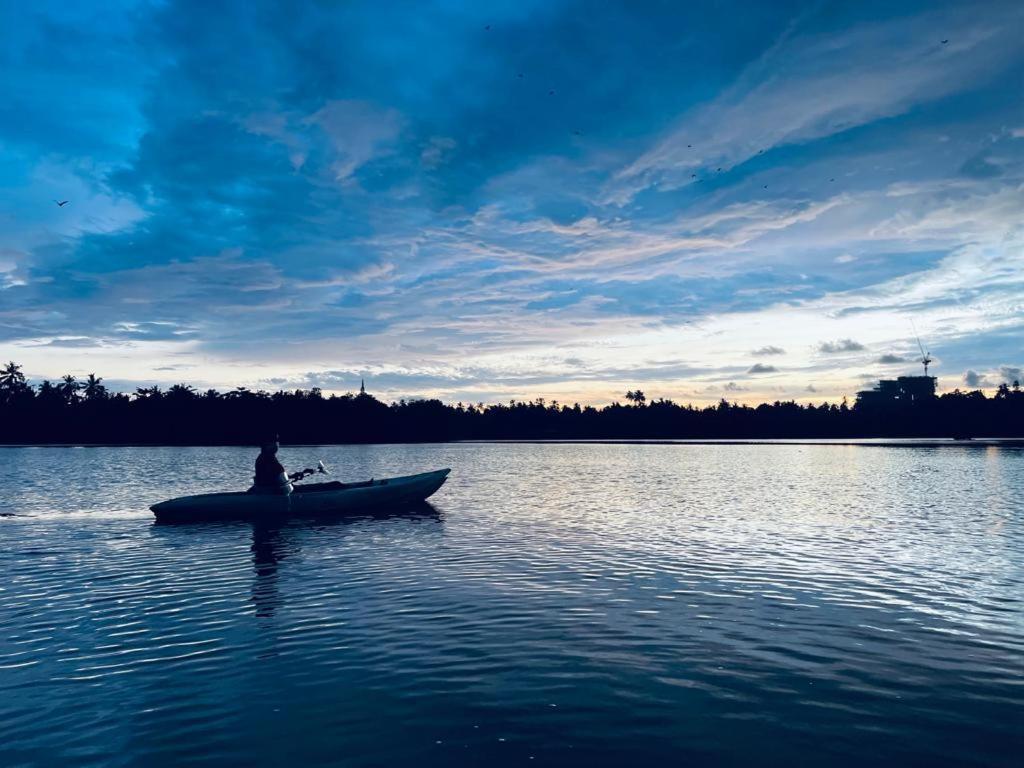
[926,359]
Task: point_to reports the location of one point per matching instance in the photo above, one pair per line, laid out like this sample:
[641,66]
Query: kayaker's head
[270,446]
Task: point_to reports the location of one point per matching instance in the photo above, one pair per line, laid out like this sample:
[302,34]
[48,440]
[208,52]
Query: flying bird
[551,92]
[61,203]
[519,74]
[577,132]
[487,27]
[945,41]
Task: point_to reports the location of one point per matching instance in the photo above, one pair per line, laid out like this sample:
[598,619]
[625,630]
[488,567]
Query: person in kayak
[270,473]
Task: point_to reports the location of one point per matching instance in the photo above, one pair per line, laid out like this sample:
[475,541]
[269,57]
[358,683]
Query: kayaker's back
[270,476]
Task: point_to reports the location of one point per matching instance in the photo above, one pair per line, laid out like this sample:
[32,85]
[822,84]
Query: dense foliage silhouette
[72,411]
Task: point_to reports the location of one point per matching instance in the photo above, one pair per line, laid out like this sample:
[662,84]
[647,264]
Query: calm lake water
[560,605]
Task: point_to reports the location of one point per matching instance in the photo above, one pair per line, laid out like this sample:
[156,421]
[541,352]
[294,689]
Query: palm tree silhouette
[637,398]
[93,388]
[12,382]
[11,376]
[68,388]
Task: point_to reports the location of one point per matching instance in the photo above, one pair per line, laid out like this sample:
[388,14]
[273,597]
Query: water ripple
[570,605]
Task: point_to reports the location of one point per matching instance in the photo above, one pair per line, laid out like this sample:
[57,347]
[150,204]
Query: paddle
[320,470]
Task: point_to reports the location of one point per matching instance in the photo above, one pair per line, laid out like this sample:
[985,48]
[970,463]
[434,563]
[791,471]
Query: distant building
[905,390]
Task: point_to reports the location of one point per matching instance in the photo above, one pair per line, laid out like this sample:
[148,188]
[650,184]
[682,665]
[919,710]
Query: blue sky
[480,201]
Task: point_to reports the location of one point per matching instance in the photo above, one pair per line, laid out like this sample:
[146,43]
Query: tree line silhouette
[84,411]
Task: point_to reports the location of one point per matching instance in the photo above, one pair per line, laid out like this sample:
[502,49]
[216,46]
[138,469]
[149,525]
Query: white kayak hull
[335,499]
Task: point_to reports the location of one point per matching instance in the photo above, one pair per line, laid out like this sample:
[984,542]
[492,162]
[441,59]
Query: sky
[486,201]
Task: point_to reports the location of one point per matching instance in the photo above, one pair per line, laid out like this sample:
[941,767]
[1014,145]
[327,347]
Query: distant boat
[320,499]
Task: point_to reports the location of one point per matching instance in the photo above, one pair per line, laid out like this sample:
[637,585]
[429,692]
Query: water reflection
[269,548]
[273,542]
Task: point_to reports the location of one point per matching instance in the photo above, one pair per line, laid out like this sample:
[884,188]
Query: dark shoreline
[73,413]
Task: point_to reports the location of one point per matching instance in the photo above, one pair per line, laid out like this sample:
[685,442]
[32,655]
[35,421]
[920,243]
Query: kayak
[311,500]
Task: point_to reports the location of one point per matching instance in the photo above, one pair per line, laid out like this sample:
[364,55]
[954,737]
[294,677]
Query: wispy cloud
[358,132]
[438,149]
[800,89]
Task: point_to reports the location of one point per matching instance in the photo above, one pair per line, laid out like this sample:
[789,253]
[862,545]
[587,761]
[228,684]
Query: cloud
[981,166]
[801,88]
[368,274]
[437,150]
[843,345]
[769,350]
[72,342]
[890,359]
[163,330]
[762,368]
[732,386]
[1011,373]
[358,131]
[483,374]
[975,379]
